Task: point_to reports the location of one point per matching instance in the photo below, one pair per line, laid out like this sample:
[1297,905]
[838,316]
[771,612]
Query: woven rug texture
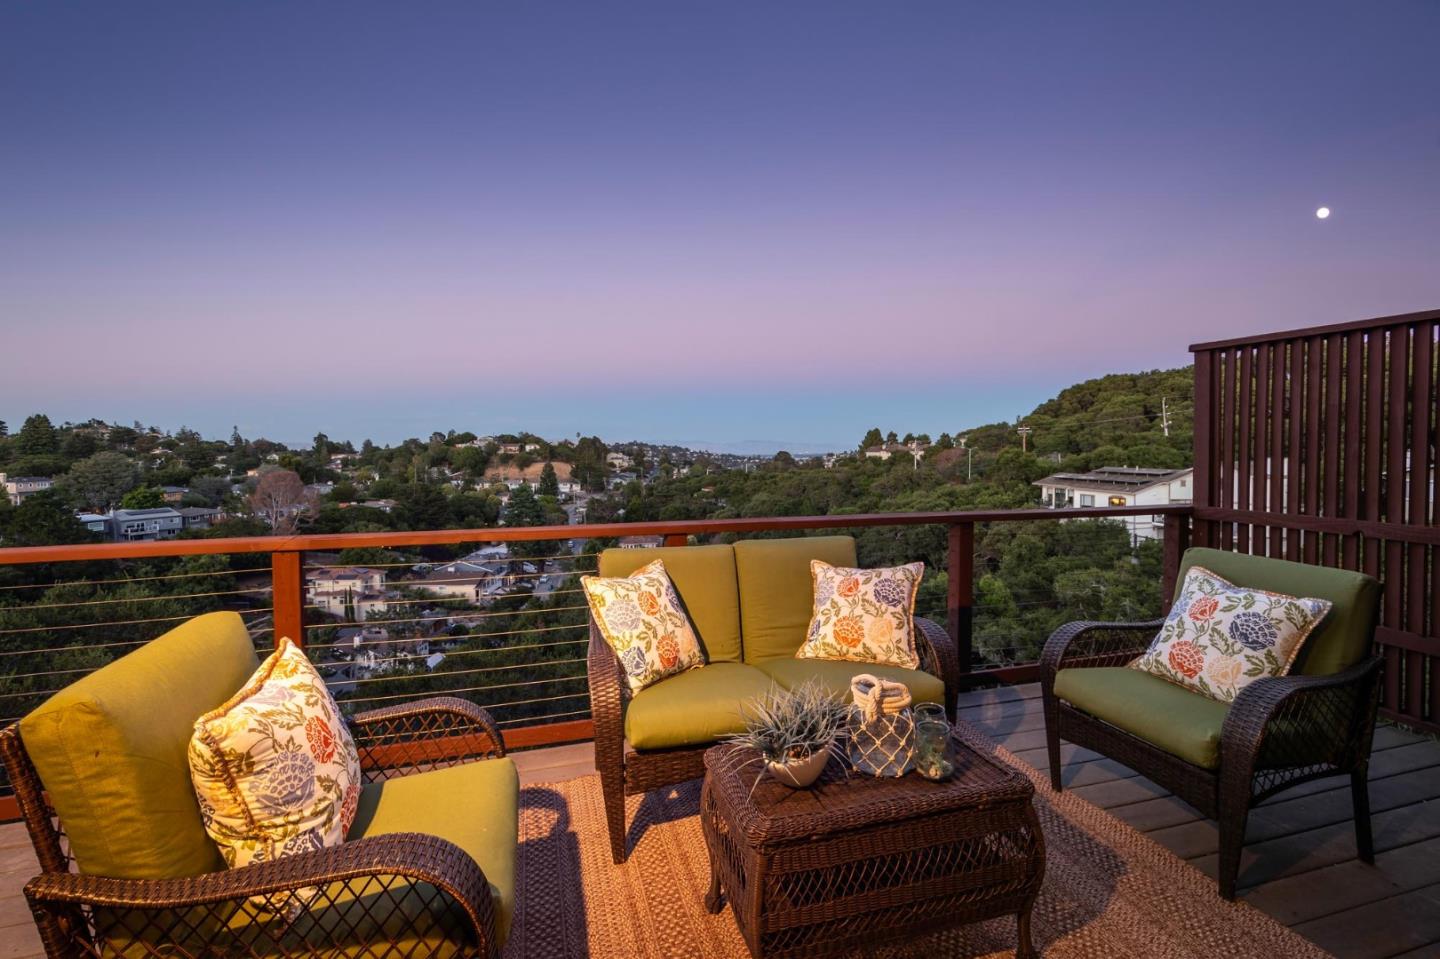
[1109,892]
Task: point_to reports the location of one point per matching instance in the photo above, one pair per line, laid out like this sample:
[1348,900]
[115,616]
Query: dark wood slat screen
[1319,445]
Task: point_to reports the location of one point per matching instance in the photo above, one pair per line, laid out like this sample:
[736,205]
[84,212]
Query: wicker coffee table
[856,861]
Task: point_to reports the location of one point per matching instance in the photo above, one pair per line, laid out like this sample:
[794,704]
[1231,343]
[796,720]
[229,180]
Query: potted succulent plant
[794,731]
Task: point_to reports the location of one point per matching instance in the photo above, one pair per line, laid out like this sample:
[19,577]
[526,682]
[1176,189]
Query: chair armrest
[1087,643]
[1285,722]
[938,656]
[609,694]
[424,734]
[199,909]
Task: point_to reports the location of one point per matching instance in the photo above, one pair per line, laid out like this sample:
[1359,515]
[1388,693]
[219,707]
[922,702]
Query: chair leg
[1232,841]
[612,788]
[1360,797]
[1052,744]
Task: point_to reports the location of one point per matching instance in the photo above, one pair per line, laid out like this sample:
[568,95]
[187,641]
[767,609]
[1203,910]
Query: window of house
[1117,501]
[1087,499]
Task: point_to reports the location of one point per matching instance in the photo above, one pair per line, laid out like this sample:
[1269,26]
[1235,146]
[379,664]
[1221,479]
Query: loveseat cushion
[111,750]
[777,596]
[835,675]
[1183,723]
[704,576]
[1345,636]
[694,708]
[477,807]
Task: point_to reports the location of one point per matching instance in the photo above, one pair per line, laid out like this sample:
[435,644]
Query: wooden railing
[287,563]
[1319,445]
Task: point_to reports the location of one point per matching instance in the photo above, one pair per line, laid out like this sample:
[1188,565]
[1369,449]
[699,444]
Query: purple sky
[714,224]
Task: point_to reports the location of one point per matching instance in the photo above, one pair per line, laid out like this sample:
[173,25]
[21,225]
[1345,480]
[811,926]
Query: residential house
[132,525]
[18,488]
[619,461]
[199,517]
[885,450]
[96,523]
[352,593]
[641,542]
[1121,486]
[173,494]
[469,580]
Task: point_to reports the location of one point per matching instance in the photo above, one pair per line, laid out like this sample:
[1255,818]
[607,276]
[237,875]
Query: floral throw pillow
[863,615]
[275,769]
[1220,637]
[641,618]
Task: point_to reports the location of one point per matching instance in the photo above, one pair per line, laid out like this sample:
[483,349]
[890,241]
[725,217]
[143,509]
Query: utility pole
[1165,414]
[1024,432]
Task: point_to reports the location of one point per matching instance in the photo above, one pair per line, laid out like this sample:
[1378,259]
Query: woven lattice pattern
[428,734]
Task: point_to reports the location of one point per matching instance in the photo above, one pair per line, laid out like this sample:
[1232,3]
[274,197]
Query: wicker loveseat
[103,783]
[1224,758]
[750,604]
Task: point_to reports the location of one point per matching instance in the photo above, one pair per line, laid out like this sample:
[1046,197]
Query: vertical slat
[1330,495]
[1375,350]
[1203,442]
[960,594]
[1278,533]
[1243,541]
[1394,572]
[1264,355]
[287,580]
[1354,390]
[1292,460]
[1310,481]
[1418,475]
[1228,425]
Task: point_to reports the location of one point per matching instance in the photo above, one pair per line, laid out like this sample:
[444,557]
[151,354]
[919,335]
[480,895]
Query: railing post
[960,597]
[287,580]
[1177,540]
[676,539]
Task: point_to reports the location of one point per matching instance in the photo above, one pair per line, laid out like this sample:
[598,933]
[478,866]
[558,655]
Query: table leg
[714,898]
[1024,945]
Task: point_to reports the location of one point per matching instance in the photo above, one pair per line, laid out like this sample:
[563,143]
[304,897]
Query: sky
[736,225]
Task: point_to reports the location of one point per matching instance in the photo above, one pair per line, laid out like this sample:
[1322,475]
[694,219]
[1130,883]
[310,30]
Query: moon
[1322,213]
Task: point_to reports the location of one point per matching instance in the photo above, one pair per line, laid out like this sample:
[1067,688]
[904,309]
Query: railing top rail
[1375,323]
[20,555]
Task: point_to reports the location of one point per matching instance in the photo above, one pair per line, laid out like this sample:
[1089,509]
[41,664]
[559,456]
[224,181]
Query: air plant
[787,726]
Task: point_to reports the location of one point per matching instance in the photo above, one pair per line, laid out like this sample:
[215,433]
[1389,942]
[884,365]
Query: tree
[424,507]
[549,482]
[143,497]
[4,430]
[872,438]
[37,437]
[43,519]
[101,480]
[524,509]
[281,500]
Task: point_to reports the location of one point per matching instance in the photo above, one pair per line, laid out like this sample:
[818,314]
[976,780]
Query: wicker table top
[767,811]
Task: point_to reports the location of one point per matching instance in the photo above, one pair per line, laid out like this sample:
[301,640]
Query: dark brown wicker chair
[401,893]
[1278,733]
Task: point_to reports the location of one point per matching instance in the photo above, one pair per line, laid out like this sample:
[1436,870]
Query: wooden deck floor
[1299,863]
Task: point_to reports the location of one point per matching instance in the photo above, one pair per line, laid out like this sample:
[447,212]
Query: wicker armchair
[1279,732]
[627,769]
[410,893]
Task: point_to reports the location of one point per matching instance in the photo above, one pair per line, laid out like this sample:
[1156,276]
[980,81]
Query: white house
[19,487]
[466,579]
[351,593]
[1121,486]
[618,460]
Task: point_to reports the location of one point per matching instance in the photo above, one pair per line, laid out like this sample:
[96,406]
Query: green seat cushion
[111,750]
[1346,634]
[777,595]
[1182,723]
[694,708]
[704,576]
[836,675]
[477,807]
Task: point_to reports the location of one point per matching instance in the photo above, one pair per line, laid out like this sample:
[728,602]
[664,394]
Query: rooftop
[1115,478]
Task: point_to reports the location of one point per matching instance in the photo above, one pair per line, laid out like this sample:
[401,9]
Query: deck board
[1299,862]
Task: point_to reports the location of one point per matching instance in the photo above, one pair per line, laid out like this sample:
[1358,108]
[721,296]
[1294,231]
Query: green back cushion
[776,592]
[111,750]
[704,576]
[1342,639]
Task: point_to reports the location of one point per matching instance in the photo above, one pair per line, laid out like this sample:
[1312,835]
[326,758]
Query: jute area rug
[1109,892]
